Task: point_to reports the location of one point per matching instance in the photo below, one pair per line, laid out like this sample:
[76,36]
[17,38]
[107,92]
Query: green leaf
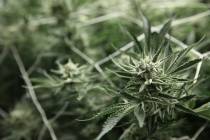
[179,57]
[182,54]
[182,79]
[121,67]
[133,55]
[139,46]
[112,121]
[166,96]
[185,109]
[140,115]
[147,30]
[157,54]
[130,97]
[108,110]
[161,40]
[187,98]
[168,61]
[120,74]
[167,50]
[164,30]
[186,65]
[133,61]
[154,42]
[204,111]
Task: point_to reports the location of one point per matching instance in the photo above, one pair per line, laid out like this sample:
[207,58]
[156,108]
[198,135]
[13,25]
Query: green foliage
[69,74]
[146,89]
[113,119]
[152,81]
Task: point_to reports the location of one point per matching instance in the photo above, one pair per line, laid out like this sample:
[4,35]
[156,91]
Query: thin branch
[177,22]
[58,114]
[38,60]
[34,22]
[101,19]
[118,52]
[191,19]
[82,55]
[183,45]
[179,3]
[32,92]
[89,60]
[107,17]
[200,130]
[206,55]
[181,138]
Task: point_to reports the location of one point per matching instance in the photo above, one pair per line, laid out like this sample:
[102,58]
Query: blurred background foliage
[50,36]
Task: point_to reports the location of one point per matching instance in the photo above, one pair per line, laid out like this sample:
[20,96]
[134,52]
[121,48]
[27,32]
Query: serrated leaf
[168,60]
[140,115]
[181,55]
[108,110]
[112,121]
[186,65]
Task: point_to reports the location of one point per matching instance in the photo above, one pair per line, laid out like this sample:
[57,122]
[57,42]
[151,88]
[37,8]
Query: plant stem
[89,60]
[32,92]
[200,130]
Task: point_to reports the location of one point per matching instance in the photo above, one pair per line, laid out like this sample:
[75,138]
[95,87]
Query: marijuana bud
[152,82]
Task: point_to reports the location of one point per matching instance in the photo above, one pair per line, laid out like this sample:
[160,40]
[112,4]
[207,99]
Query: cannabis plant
[153,84]
[147,92]
[69,77]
